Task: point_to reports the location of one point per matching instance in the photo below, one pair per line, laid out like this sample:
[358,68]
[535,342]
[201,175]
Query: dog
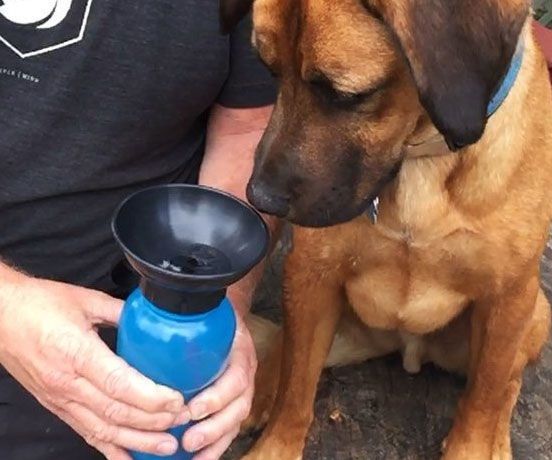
[441,110]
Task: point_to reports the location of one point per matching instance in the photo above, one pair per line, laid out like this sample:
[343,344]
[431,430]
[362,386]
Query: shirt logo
[33,27]
[44,13]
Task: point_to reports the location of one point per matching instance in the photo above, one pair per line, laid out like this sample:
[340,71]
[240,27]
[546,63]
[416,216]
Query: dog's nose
[267,200]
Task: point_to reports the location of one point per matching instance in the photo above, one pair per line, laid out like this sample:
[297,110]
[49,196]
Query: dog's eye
[352,98]
[322,85]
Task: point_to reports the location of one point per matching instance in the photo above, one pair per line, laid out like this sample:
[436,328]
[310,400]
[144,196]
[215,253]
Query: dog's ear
[231,12]
[458,51]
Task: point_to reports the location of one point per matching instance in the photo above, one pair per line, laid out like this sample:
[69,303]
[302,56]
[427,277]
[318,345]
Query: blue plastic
[184,352]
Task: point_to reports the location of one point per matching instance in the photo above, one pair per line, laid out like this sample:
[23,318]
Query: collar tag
[373,210]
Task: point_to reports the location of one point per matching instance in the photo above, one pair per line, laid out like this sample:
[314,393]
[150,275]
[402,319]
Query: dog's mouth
[326,217]
[331,209]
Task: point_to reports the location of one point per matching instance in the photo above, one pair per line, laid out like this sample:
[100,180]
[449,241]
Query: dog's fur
[450,272]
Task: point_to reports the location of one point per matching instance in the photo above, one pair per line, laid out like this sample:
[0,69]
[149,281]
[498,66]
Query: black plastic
[189,243]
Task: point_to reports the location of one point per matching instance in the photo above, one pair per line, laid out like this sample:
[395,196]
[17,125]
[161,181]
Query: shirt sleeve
[249,83]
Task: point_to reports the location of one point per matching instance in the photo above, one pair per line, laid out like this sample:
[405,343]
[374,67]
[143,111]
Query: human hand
[226,403]
[49,343]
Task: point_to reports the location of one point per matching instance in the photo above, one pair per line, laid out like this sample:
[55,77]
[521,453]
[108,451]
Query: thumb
[102,308]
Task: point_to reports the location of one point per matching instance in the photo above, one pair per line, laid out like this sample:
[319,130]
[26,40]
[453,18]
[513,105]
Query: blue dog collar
[508,81]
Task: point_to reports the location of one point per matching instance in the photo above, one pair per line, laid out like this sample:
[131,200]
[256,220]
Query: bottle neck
[181,302]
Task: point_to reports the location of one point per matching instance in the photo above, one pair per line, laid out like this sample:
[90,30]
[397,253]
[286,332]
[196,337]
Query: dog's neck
[435,145]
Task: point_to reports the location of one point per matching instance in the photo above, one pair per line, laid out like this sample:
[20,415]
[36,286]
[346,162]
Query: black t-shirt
[99,99]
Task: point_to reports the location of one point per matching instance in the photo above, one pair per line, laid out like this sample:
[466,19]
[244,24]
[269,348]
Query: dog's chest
[410,272]
[394,297]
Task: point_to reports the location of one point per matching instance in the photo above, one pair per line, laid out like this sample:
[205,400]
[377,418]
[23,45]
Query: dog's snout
[268,200]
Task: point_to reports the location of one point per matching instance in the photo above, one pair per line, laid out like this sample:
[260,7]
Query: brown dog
[370,93]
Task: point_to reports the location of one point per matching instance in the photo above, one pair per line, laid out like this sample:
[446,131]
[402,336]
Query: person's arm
[233,136]
[48,342]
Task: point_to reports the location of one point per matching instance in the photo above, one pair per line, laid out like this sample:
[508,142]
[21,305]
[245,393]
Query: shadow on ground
[387,414]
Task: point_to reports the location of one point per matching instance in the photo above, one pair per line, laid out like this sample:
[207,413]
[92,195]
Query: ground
[376,411]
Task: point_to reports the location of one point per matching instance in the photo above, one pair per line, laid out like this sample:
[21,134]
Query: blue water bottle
[188,244]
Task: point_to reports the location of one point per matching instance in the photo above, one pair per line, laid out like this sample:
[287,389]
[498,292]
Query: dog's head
[358,80]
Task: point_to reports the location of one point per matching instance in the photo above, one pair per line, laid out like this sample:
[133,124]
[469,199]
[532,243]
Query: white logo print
[44,13]
[33,27]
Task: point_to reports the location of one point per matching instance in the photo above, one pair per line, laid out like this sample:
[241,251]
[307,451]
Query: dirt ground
[387,414]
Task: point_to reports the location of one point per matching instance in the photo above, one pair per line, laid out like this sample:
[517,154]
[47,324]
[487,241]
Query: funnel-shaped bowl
[189,237]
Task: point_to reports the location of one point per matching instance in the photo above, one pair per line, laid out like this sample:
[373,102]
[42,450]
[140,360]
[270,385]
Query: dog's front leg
[499,326]
[313,303]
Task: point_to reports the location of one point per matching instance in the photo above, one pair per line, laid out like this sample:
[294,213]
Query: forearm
[7,273]
[9,279]
[232,138]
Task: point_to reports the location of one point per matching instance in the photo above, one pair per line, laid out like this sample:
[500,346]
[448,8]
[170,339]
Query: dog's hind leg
[263,332]
[313,305]
[353,343]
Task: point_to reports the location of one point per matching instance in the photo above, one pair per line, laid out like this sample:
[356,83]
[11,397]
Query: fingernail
[174,406]
[183,418]
[167,447]
[199,411]
[197,442]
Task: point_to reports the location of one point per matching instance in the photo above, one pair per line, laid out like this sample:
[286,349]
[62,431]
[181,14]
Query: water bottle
[188,244]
